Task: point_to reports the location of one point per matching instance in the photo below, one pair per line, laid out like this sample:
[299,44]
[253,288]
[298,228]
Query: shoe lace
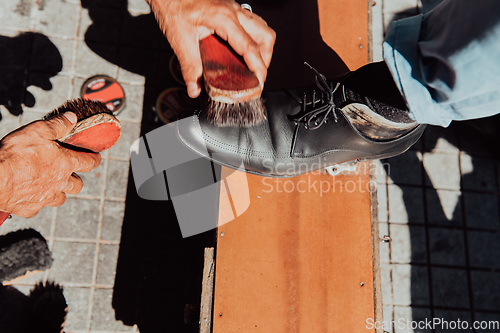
[318,115]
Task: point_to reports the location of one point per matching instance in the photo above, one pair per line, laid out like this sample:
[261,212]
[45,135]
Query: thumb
[62,124]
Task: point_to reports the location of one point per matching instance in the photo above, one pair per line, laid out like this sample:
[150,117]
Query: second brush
[234,91]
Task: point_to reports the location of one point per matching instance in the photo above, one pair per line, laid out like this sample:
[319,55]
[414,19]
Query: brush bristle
[245,114]
[81,107]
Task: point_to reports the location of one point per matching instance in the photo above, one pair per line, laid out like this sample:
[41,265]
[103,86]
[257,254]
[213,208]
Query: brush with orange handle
[233,89]
[96,130]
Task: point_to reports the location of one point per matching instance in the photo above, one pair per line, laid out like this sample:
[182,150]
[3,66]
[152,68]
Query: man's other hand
[36,171]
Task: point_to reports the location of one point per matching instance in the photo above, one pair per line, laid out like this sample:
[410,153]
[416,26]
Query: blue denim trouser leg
[446,63]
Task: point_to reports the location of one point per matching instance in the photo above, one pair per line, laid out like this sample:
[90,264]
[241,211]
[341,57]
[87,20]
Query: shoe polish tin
[106,90]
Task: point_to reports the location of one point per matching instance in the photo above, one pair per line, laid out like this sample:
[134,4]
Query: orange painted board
[299,259]
[344,27]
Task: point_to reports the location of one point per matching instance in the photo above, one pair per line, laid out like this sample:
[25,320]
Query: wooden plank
[301,257]
[207,290]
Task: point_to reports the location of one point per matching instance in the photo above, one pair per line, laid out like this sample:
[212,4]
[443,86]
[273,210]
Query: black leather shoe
[306,129]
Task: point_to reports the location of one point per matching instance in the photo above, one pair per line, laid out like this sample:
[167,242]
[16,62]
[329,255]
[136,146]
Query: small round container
[104,89]
[171,102]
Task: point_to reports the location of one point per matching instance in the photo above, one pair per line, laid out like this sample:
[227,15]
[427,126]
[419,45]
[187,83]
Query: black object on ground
[23,251]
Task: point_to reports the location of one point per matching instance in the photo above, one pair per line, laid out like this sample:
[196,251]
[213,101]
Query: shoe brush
[96,129]
[234,91]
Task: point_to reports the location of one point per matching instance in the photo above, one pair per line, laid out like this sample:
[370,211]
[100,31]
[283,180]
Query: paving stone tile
[486,290]
[78,218]
[25,289]
[30,280]
[453,321]
[138,6]
[377,30]
[130,133]
[112,220]
[77,87]
[48,92]
[419,282]
[384,247]
[444,208]
[441,140]
[78,300]
[29,116]
[408,244]
[52,55]
[477,173]
[100,24]
[116,183]
[492,320]
[57,18]
[410,285]
[95,58]
[73,262]
[382,203]
[380,171]
[449,287]
[8,122]
[405,204]
[134,95]
[16,14]
[386,281]
[442,170]
[408,319]
[93,181]
[447,247]
[42,222]
[398,6]
[481,211]
[130,77]
[405,169]
[387,314]
[484,249]
[103,315]
[106,269]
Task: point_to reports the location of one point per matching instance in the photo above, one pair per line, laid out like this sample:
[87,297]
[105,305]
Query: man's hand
[36,171]
[186,22]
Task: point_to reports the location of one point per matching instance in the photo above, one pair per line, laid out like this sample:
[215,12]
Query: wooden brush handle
[226,74]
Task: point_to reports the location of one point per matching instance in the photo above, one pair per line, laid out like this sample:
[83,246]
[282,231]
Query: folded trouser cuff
[402,58]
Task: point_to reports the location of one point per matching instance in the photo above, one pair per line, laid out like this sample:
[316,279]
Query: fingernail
[70,116]
[192,89]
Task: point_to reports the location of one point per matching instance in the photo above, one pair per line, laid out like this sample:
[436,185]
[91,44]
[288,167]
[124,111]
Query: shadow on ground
[19,70]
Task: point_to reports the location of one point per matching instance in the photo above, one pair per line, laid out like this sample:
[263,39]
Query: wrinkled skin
[186,22]
[36,170]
